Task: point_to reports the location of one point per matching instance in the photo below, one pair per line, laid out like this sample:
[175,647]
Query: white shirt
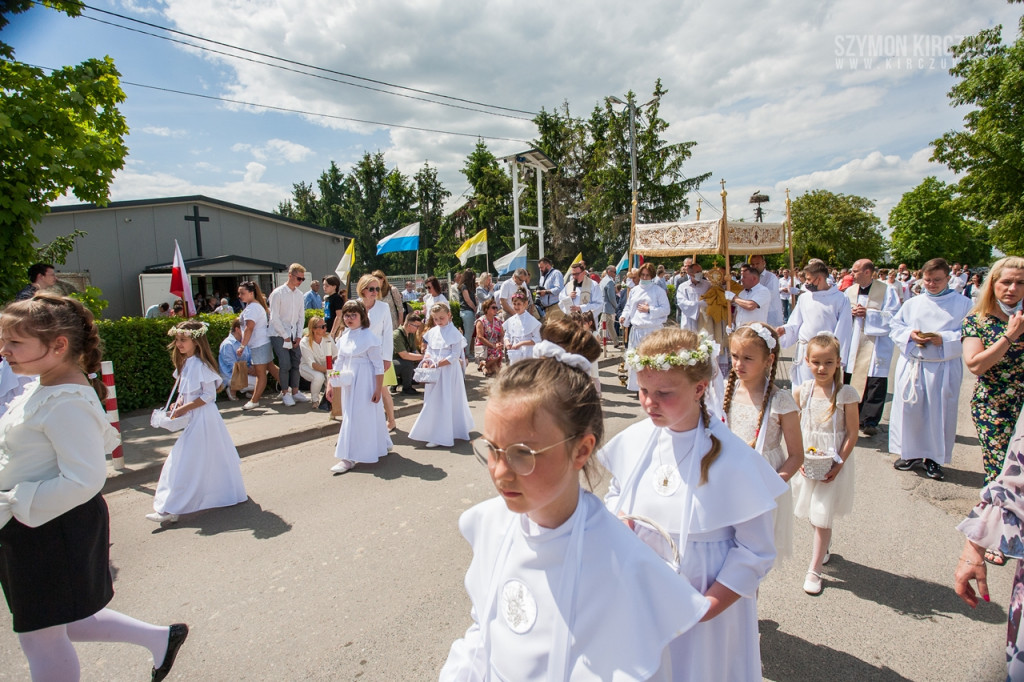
[287,312]
[315,353]
[759,295]
[770,282]
[509,287]
[590,291]
[260,335]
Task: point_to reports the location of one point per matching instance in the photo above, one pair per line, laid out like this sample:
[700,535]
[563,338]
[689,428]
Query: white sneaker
[300,397]
[432,445]
[288,400]
[812,585]
[250,405]
[342,466]
[160,517]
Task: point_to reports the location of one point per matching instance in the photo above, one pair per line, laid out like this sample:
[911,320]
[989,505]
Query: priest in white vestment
[821,308]
[770,282]
[926,331]
[873,303]
[691,307]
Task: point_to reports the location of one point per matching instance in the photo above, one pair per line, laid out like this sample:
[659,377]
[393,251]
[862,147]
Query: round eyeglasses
[520,458]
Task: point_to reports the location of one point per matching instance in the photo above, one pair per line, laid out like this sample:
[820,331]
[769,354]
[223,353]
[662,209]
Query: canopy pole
[789,239]
[725,251]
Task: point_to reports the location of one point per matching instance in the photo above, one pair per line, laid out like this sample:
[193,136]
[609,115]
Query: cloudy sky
[844,96]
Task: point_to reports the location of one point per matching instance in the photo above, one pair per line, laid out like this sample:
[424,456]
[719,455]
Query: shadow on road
[245,516]
[395,466]
[787,657]
[971,441]
[914,597]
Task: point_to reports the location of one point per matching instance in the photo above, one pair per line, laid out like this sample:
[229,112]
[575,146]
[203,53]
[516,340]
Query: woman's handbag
[159,418]
[239,376]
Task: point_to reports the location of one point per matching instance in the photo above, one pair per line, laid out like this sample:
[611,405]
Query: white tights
[52,657]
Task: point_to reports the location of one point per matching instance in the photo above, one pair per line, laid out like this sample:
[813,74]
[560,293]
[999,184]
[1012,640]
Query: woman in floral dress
[490,332]
[994,351]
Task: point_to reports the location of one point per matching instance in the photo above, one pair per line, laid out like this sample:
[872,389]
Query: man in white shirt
[224,308]
[520,278]
[770,282]
[581,294]
[287,318]
[753,302]
[788,291]
[689,298]
[610,301]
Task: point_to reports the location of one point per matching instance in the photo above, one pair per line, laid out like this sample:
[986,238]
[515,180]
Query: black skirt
[58,572]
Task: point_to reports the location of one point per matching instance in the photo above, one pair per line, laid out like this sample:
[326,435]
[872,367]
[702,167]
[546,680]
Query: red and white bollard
[604,336]
[107,368]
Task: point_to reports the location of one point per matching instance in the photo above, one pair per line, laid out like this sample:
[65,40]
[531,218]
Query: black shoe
[324,406]
[906,464]
[933,471]
[175,638]
[410,391]
[869,430]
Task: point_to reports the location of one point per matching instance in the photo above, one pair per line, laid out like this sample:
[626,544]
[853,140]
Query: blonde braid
[730,386]
[716,446]
[768,391]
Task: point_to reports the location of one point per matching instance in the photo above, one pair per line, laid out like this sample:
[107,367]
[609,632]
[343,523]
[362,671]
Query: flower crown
[194,333]
[705,350]
[765,335]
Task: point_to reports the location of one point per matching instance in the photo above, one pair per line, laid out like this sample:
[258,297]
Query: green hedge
[142,364]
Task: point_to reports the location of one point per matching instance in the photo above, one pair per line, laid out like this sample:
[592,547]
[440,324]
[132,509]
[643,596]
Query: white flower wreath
[194,333]
[705,350]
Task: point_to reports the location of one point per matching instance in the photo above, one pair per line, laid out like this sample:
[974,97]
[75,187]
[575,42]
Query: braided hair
[747,334]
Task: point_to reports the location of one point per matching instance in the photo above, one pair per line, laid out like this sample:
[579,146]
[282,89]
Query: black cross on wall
[195,218]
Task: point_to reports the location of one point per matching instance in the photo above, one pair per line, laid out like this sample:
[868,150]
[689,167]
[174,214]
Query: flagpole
[416,273]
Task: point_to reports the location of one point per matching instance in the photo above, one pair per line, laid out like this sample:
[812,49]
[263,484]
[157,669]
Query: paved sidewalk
[270,427]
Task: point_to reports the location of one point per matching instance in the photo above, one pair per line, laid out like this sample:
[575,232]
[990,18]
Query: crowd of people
[706,487]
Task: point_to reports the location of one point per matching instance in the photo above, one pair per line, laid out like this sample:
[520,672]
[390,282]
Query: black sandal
[995,557]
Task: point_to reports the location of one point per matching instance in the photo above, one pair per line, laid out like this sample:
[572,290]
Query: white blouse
[316,353]
[52,460]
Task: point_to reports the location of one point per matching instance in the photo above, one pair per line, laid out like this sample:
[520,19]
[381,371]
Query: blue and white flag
[406,239]
[516,259]
[623,263]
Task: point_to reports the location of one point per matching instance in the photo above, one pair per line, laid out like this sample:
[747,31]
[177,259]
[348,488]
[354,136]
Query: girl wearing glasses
[445,415]
[560,589]
[711,492]
[380,324]
[363,438]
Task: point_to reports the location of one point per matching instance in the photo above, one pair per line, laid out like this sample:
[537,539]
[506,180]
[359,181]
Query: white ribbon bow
[546,349]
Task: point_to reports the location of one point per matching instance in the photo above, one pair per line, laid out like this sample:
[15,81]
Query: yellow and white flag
[345,264]
[474,246]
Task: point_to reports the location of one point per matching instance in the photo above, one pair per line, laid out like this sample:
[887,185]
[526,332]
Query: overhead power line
[293,62]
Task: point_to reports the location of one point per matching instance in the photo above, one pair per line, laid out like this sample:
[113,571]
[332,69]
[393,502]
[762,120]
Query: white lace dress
[816,501]
[743,422]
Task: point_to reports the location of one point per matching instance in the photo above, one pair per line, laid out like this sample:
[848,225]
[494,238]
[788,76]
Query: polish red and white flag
[181,284]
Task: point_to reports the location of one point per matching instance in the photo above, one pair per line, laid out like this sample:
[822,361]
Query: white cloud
[276,150]
[254,171]
[163,131]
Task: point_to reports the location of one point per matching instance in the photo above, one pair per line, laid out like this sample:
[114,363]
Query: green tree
[58,132]
[490,206]
[989,152]
[837,228]
[437,239]
[928,223]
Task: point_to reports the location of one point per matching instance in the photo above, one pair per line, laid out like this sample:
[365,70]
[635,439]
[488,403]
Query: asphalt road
[359,577]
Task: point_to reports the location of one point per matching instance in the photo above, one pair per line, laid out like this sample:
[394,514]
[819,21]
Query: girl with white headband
[761,413]
[693,481]
[560,589]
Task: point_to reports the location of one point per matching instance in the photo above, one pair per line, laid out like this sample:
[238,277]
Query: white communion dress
[203,470]
[445,415]
[723,529]
[364,433]
[767,437]
[817,501]
[584,601]
[522,327]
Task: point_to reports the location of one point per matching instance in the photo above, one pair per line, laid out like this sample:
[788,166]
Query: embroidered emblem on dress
[666,480]
[518,607]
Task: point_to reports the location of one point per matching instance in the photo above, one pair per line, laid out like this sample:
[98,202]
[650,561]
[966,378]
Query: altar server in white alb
[646,311]
[821,308]
[709,491]
[561,589]
[689,299]
[203,470]
[770,282]
[363,438]
[872,303]
[926,330]
[522,329]
[445,415]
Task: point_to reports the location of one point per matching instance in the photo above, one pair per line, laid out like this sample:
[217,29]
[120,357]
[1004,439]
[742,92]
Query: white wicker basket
[673,559]
[817,464]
